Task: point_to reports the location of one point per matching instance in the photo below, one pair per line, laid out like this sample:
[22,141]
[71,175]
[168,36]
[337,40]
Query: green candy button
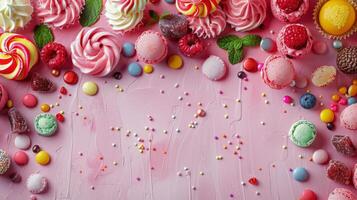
[45,124]
[302,133]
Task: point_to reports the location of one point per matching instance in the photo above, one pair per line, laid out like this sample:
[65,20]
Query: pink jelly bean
[343,101]
[287,99]
[334,107]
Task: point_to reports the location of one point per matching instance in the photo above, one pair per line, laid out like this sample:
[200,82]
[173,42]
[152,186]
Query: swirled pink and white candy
[245,15]
[210,26]
[59,13]
[96,51]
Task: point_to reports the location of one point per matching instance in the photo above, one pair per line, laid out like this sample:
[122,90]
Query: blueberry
[308,101]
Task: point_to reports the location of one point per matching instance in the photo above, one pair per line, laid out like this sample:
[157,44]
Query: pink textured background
[195,148]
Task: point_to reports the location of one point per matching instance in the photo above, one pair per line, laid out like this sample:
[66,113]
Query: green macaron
[302,133]
[45,124]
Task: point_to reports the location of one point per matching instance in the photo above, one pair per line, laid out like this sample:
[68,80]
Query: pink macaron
[341,194]
[151,47]
[349,117]
[278,72]
[3,97]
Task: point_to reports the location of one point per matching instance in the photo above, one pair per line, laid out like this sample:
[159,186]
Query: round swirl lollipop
[197,8]
[59,13]
[210,26]
[96,51]
[14,14]
[245,15]
[17,56]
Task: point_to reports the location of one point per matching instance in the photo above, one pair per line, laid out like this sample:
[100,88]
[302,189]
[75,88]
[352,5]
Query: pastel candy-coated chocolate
[134,69]
[22,141]
[20,158]
[320,156]
[128,49]
[267,44]
[308,194]
[300,174]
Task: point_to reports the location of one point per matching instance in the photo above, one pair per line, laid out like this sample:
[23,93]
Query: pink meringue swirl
[245,15]
[96,51]
[59,13]
[210,26]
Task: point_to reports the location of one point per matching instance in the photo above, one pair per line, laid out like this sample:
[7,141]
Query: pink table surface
[155,174]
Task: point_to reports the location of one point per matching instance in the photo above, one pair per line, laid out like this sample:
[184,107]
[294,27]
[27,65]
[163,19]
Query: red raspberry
[295,37]
[190,45]
[289,6]
[54,55]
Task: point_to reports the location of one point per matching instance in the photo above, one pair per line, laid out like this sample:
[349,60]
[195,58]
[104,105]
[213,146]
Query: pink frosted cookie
[341,194]
[289,10]
[294,40]
[210,26]
[3,97]
[95,51]
[339,172]
[59,13]
[245,15]
[151,47]
[278,72]
[349,117]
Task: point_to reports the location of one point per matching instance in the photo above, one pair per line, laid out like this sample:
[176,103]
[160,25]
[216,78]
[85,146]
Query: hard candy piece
[90,88]
[43,158]
[327,115]
[135,69]
[20,158]
[300,174]
[308,194]
[36,183]
[268,45]
[22,141]
[29,100]
[343,144]
[339,172]
[175,61]
[128,49]
[70,77]
[17,121]
[250,65]
[320,156]
[41,84]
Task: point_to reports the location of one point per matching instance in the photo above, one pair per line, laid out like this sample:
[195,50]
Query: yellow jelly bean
[342,90]
[327,115]
[335,97]
[90,88]
[148,69]
[9,104]
[45,107]
[352,90]
[43,158]
[175,61]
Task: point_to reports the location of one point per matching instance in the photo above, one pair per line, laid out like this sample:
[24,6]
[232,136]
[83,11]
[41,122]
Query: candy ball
[148,69]
[308,101]
[302,133]
[308,194]
[300,174]
[288,99]
[267,44]
[175,62]
[20,158]
[45,107]
[337,44]
[29,100]
[351,100]
[90,88]
[320,157]
[134,69]
[70,77]
[5,162]
[214,68]
[348,117]
[327,115]
[36,183]
[250,65]
[22,141]
[352,90]
[128,49]
[45,124]
[42,158]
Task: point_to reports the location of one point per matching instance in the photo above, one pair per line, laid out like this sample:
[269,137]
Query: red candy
[343,101]
[70,77]
[60,117]
[63,90]
[339,172]
[250,65]
[29,101]
[20,158]
[343,144]
[253,181]
[54,55]
[308,194]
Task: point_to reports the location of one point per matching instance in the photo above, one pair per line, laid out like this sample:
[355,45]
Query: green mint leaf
[235,56]
[229,42]
[251,40]
[91,12]
[42,35]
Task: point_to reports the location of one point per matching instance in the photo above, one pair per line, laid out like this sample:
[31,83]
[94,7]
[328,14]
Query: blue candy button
[128,49]
[135,69]
[300,174]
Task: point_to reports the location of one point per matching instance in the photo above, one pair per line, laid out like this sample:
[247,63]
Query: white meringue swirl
[14,14]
